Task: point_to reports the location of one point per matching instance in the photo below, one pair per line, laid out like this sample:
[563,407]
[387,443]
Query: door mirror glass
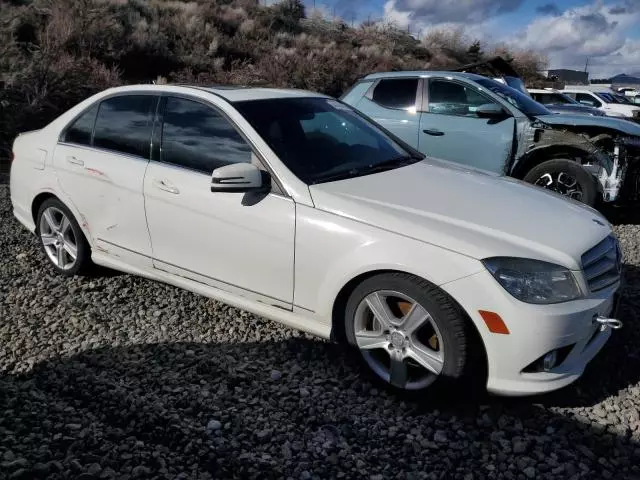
[490,110]
[240,177]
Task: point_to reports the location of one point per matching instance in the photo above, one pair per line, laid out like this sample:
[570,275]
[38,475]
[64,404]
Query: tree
[293,9]
[475,52]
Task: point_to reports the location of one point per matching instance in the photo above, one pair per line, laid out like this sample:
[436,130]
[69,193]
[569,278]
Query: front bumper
[534,330]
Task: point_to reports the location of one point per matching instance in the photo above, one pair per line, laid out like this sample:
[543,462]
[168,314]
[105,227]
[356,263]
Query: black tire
[546,174]
[82,261]
[455,332]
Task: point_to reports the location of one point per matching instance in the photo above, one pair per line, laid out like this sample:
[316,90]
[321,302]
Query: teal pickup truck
[482,123]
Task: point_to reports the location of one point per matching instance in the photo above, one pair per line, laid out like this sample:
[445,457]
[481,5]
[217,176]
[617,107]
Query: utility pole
[586,66]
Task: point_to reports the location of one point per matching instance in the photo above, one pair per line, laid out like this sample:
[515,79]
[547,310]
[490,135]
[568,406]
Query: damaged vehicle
[485,124]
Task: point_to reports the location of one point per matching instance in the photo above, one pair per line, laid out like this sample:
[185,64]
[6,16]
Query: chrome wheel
[399,339]
[58,239]
[562,183]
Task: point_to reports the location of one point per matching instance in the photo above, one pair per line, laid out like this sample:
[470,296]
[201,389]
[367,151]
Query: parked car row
[559,102]
[300,208]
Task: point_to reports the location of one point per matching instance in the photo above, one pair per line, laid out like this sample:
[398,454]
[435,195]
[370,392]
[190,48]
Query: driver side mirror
[240,177]
[490,110]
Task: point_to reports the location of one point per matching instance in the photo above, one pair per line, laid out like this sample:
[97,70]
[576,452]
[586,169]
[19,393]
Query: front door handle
[75,161]
[165,185]
[435,133]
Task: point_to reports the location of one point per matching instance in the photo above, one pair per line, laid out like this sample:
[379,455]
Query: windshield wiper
[391,164]
[367,169]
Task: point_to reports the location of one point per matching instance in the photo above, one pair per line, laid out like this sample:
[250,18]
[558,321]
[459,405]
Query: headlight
[533,281]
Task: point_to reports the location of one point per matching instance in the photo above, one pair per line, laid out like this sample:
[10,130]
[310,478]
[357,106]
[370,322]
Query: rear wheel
[409,333]
[61,238]
[565,177]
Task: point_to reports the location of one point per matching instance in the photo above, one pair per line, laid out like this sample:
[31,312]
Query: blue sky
[567,31]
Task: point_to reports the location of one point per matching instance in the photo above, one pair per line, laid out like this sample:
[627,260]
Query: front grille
[602,265]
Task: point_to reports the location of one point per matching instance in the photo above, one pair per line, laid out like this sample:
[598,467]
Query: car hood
[478,215]
[625,126]
[575,110]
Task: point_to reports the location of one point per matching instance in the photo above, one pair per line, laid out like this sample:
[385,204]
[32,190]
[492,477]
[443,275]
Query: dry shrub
[53,53]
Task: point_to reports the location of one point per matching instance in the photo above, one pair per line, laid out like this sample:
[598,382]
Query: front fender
[351,248]
[541,143]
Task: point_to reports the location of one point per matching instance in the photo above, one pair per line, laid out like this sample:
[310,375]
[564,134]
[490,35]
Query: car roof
[424,74]
[584,90]
[543,90]
[240,94]
[230,93]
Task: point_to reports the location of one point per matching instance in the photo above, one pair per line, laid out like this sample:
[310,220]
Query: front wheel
[565,177]
[409,333]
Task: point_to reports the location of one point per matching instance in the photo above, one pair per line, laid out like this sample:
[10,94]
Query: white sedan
[293,206]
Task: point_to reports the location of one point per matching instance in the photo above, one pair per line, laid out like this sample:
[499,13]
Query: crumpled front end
[610,156]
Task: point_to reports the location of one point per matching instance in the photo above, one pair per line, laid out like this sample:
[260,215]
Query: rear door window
[398,93]
[124,124]
[80,131]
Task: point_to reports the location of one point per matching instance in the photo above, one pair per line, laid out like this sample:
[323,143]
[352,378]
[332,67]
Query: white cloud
[597,31]
[476,18]
[449,11]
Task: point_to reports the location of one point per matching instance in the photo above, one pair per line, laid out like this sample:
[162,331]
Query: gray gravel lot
[113,376]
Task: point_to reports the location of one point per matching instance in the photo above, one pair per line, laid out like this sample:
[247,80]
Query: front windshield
[607,97]
[517,84]
[564,99]
[552,98]
[322,140]
[522,102]
[622,99]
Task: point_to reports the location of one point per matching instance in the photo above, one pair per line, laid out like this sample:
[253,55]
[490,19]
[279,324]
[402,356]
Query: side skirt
[298,319]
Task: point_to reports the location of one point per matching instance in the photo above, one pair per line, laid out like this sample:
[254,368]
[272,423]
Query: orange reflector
[494,322]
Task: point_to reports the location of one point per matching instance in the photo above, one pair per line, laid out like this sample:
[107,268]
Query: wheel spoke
[413,320]
[50,221]
[371,340]
[71,249]
[427,358]
[64,224]
[398,375]
[566,180]
[60,256]
[48,239]
[380,309]
[545,180]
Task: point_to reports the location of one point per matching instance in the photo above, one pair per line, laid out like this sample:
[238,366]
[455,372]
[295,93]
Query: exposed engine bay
[612,157]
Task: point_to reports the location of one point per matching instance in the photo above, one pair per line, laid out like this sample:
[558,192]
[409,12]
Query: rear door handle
[75,161]
[435,133]
[166,186]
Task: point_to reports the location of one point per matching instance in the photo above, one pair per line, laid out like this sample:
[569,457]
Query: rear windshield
[321,139]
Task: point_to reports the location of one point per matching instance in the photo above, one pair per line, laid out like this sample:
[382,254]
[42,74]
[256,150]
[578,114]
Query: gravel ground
[113,376]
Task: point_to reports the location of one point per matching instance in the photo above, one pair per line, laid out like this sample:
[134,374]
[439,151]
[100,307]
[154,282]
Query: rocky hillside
[54,53]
